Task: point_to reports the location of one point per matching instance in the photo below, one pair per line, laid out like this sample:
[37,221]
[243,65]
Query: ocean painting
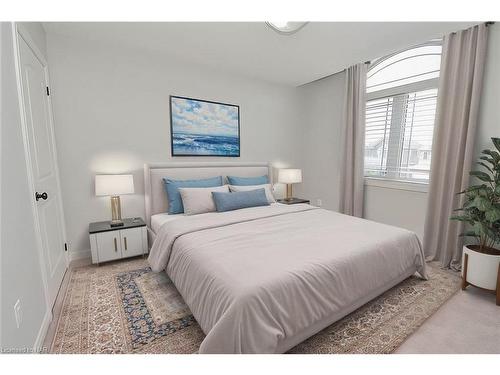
[204,128]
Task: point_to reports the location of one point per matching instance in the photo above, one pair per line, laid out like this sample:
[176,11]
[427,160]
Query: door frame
[19,31]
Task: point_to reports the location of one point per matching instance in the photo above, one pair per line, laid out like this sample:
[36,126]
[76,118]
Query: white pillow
[199,200]
[266,187]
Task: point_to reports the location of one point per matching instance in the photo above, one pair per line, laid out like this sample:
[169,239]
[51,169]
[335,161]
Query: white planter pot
[482,269]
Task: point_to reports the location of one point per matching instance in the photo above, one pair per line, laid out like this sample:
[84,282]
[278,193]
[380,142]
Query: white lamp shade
[114,184]
[290,176]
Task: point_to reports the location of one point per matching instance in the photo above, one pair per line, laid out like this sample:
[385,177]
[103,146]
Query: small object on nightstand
[293,201]
[110,243]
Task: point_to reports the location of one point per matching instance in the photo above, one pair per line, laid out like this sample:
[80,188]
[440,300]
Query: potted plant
[481,214]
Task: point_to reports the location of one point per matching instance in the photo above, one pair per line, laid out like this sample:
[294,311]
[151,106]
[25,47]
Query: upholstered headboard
[155,195]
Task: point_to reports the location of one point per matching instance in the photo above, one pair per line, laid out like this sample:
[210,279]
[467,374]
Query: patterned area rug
[123,307]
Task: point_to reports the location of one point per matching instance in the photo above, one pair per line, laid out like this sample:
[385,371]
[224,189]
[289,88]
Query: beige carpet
[123,307]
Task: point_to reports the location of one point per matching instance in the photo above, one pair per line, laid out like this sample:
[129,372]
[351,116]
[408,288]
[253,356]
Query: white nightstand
[111,243]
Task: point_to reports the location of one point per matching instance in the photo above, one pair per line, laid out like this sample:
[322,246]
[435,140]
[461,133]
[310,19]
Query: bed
[263,279]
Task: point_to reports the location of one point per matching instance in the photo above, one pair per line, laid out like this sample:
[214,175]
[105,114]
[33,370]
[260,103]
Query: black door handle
[44,196]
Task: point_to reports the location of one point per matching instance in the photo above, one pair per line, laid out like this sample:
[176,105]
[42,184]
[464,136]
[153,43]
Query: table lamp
[289,176]
[114,186]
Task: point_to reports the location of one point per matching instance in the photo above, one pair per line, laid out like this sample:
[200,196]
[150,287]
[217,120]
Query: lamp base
[288,196]
[116,212]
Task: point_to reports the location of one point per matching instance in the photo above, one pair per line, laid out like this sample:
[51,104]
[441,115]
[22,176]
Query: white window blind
[398,139]
[378,124]
[400,112]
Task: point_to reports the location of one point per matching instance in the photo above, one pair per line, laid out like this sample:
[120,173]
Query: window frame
[428,84]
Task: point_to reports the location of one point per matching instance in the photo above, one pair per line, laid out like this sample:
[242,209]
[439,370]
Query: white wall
[394,206]
[21,276]
[402,208]
[321,113]
[111,108]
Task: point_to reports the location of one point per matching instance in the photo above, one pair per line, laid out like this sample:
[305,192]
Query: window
[400,111]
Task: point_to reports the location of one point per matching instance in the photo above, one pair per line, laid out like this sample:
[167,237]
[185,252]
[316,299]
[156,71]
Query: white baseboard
[77,255]
[42,332]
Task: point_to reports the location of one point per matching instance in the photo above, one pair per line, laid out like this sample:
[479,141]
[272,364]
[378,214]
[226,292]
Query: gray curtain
[460,84]
[352,139]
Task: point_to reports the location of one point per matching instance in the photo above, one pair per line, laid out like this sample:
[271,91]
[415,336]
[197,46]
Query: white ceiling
[252,49]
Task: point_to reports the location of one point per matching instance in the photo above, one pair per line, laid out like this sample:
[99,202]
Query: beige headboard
[155,195]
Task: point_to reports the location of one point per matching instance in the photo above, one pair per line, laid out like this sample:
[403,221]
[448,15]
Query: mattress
[262,279]
[159,219]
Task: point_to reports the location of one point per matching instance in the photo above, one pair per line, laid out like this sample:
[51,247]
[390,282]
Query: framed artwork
[204,128]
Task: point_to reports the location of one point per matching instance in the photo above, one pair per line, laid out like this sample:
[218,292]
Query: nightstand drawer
[132,242]
[108,246]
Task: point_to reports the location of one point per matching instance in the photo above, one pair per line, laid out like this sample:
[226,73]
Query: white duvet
[263,279]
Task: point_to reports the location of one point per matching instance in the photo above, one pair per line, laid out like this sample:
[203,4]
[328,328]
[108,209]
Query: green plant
[481,208]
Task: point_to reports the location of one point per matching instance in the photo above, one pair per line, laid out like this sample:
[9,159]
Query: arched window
[401,104]
[410,66]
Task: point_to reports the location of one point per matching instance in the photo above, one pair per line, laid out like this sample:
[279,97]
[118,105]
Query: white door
[39,127]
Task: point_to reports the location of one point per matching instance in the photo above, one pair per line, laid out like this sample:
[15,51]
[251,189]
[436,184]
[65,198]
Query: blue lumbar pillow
[174,196]
[245,181]
[240,199]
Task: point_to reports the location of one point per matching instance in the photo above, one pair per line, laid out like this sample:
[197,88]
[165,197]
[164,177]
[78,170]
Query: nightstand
[293,201]
[111,243]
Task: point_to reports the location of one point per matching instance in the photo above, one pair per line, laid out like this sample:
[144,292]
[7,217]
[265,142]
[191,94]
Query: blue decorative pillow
[245,181]
[240,199]
[174,197]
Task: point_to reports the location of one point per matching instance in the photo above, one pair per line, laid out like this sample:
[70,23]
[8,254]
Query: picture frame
[201,127]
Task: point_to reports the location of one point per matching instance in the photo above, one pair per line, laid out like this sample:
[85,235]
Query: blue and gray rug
[123,307]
